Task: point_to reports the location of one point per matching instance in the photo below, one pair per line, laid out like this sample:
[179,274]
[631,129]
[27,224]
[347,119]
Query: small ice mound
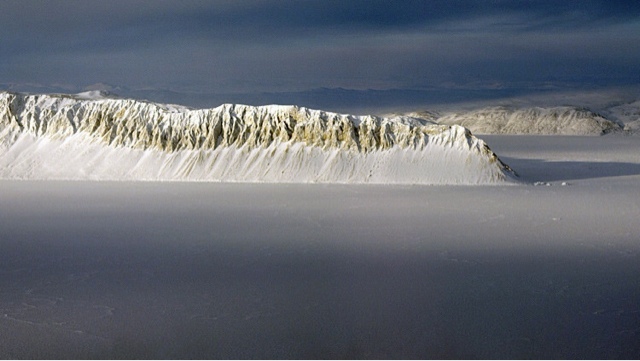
[540,183]
[58,137]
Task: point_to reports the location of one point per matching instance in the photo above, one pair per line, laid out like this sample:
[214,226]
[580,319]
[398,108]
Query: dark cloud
[297,46]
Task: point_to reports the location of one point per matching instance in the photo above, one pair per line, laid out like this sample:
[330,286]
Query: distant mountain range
[619,105]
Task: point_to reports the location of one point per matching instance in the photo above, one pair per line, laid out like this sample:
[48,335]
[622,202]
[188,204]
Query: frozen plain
[215,270]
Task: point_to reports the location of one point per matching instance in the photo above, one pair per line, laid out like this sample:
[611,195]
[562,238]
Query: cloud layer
[227,47]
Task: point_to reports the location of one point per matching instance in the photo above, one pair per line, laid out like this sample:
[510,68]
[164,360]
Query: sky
[319,53]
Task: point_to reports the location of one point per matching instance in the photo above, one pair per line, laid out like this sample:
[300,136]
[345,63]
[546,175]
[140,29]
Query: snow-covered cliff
[89,137]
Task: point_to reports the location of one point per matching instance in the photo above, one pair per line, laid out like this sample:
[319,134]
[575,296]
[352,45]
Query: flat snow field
[208,270]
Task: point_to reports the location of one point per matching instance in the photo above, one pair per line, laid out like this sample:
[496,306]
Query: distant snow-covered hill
[96,136]
[535,120]
[628,114]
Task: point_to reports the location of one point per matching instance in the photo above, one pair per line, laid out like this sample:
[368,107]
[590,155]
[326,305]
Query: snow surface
[313,271]
[89,136]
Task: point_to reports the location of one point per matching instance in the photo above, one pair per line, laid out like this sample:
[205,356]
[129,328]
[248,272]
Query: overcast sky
[300,46]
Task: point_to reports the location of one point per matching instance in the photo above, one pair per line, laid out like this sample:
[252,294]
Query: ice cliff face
[556,120]
[83,137]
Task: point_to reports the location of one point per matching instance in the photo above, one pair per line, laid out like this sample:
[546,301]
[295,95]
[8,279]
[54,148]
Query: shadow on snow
[534,170]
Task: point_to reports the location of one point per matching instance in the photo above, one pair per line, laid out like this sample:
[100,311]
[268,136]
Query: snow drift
[89,136]
[554,120]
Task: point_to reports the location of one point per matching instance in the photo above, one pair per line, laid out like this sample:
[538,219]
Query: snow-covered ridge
[536,120]
[96,137]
